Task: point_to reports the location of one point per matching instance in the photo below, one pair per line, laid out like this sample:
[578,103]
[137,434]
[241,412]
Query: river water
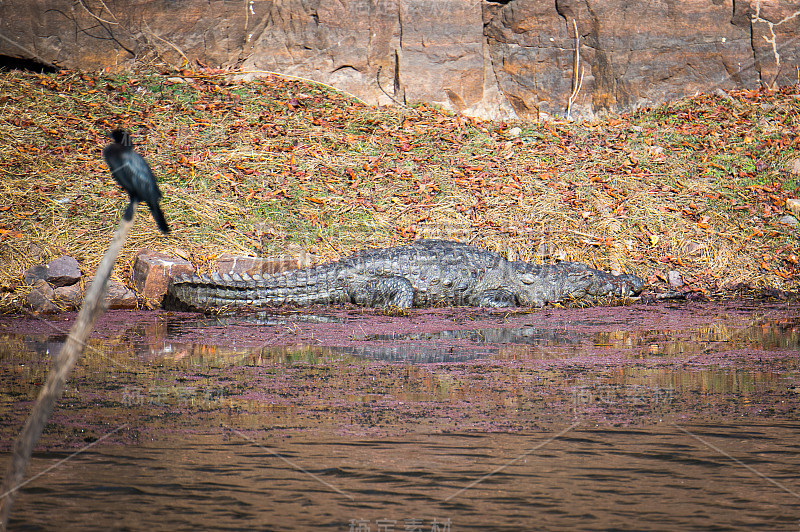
[645,417]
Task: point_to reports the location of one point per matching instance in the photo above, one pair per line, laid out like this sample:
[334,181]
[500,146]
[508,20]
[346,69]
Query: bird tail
[158,216]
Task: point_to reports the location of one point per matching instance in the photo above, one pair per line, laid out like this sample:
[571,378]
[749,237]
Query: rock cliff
[500,58]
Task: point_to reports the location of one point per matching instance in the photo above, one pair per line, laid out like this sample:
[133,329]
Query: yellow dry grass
[272,165]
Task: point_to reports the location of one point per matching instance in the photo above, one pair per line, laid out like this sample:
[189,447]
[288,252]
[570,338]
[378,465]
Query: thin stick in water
[62,365]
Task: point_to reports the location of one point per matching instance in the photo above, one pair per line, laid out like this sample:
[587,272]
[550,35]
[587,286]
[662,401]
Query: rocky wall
[493,59]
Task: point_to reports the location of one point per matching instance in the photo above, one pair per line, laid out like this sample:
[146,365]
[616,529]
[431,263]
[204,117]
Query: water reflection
[171,339]
[581,417]
[556,341]
[580,365]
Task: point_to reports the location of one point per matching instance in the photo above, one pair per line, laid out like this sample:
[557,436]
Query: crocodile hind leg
[390,291]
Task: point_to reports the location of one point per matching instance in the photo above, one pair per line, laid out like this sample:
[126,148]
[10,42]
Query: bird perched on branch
[133,174]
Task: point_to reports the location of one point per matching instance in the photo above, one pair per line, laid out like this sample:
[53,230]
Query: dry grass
[270,166]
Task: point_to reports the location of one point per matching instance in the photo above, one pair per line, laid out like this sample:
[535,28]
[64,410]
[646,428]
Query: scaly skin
[423,274]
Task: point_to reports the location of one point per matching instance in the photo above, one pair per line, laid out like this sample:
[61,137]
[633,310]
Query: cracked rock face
[492,59]
[638,53]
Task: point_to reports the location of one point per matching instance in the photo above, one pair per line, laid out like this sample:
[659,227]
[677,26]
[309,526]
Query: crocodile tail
[318,285]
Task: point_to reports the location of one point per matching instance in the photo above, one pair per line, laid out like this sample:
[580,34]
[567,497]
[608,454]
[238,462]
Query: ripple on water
[664,417]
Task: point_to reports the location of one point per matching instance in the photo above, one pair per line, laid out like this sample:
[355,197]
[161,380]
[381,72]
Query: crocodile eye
[527,278]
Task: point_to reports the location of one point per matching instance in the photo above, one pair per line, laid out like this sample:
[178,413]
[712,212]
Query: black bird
[134,175]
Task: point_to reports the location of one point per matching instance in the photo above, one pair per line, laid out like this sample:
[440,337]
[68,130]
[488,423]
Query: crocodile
[425,273]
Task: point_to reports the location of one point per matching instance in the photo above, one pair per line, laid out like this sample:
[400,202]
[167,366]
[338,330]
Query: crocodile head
[537,284]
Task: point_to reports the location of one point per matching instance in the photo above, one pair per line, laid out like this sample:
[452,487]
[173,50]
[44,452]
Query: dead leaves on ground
[627,192]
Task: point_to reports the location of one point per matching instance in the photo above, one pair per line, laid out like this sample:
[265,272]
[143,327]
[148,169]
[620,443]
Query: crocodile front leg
[497,298]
